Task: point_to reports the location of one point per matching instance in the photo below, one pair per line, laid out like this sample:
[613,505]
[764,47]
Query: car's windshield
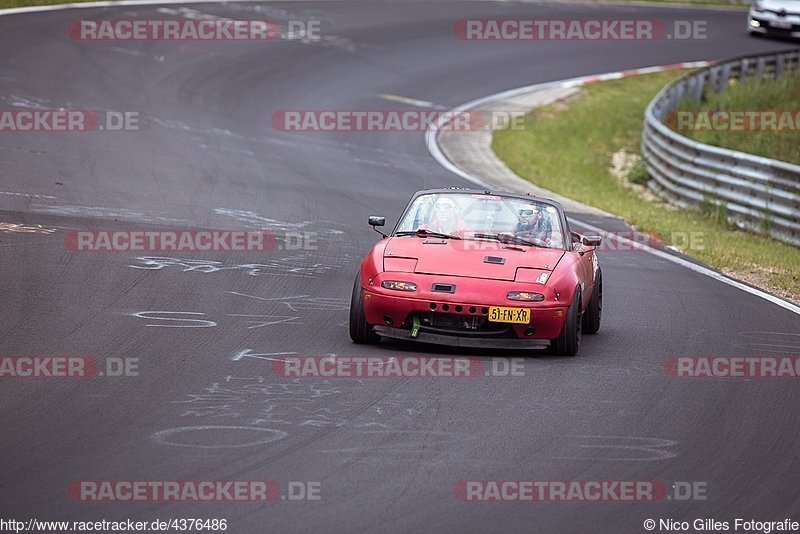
[484,217]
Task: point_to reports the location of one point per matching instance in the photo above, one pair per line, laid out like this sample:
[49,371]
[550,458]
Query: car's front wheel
[569,341]
[360,331]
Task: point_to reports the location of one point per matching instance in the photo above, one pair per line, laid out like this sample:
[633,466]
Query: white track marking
[693,266]
[410,101]
[28,195]
[248,353]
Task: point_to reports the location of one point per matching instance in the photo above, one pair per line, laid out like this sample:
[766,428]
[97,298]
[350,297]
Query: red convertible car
[473,268]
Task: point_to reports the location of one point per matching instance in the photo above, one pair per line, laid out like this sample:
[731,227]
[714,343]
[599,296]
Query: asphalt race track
[386,453]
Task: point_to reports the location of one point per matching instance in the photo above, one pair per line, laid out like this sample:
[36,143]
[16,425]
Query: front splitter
[455,341]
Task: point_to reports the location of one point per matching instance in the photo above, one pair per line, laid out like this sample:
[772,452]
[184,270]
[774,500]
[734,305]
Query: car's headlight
[397,285]
[757,6]
[525,296]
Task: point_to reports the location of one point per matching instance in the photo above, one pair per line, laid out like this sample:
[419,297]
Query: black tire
[569,340]
[594,312]
[360,331]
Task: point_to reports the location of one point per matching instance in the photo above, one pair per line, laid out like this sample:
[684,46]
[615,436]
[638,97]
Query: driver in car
[534,224]
[446,218]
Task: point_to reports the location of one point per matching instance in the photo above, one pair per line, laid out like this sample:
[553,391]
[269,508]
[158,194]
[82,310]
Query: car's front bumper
[469,304]
[769,23]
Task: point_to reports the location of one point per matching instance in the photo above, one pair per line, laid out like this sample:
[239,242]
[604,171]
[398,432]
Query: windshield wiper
[509,239]
[421,232]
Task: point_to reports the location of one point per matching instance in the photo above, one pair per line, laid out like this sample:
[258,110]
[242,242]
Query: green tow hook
[414,327]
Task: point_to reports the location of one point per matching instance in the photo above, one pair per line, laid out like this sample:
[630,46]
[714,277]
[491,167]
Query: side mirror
[592,240]
[375,221]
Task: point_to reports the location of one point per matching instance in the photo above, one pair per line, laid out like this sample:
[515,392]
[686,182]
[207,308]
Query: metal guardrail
[758,193]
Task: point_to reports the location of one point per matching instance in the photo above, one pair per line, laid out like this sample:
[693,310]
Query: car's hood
[790,6]
[475,259]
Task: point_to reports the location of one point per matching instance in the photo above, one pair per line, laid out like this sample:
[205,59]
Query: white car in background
[779,18]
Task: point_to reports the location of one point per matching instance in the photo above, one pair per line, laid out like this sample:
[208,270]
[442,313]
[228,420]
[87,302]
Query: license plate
[499,314]
[782,24]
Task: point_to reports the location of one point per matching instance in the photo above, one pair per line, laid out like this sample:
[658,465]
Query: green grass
[568,149]
[753,94]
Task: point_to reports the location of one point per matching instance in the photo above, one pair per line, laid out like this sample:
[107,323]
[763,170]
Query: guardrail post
[726,76]
[760,65]
[713,79]
[696,88]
